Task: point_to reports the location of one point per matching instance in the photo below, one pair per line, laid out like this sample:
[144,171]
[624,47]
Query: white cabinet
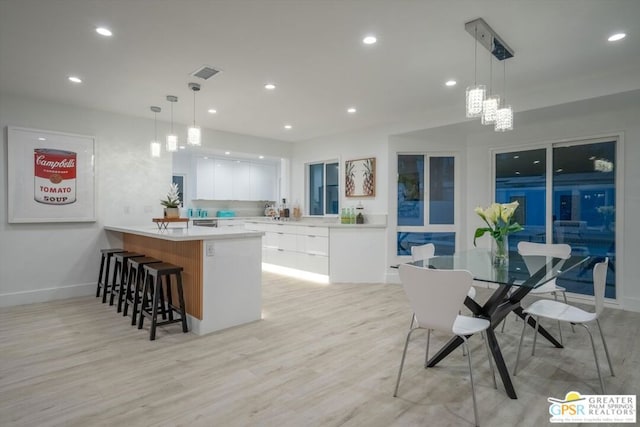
[263,182]
[224,179]
[301,247]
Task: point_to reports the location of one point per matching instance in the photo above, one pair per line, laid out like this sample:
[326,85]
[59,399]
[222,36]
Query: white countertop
[183,233]
[316,223]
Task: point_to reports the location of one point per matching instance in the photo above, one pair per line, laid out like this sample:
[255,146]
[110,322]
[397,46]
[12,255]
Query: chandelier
[491,109]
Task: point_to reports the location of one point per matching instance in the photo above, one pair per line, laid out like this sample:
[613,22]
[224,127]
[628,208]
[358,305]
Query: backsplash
[240,207]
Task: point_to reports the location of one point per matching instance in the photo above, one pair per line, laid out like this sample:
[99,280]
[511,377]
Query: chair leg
[503,322]
[573,328]
[473,390]
[555,297]
[595,356]
[493,372]
[524,328]
[426,355]
[404,353]
[606,349]
[535,337]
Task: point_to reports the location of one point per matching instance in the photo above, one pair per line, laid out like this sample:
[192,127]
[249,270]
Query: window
[577,182]
[426,209]
[324,188]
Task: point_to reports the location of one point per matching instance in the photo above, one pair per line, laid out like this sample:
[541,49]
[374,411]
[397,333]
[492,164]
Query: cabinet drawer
[314,263]
[310,230]
[271,240]
[284,258]
[318,245]
[287,242]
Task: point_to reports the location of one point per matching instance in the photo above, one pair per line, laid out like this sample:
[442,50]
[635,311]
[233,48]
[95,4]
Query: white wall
[39,262]
[610,115]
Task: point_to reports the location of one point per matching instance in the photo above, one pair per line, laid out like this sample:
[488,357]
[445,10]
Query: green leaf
[479,233]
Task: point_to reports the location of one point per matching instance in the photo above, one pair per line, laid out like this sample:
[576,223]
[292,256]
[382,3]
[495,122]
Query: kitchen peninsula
[222,270]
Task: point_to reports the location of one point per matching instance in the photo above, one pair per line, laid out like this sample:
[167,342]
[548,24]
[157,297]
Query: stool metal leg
[106,278]
[144,300]
[116,270]
[183,309]
[154,313]
[99,285]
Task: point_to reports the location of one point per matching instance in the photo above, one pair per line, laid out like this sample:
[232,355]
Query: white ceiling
[312,50]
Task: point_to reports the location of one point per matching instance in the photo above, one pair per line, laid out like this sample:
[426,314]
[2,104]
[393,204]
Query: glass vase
[500,251]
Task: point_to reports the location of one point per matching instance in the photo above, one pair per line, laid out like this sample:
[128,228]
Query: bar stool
[119,268]
[103,275]
[151,296]
[135,279]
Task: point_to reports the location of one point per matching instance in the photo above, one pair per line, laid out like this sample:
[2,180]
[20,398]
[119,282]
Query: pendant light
[492,102]
[475,93]
[193,133]
[172,138]
[504,115]
[155,145]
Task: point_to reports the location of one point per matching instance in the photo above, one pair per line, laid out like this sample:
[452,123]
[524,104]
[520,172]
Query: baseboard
[44,295]
[631,304]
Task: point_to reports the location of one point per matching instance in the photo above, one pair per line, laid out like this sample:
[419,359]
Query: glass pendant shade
[172,143]
[504,119]
[489,109]
[193,135]
[475,97]
[155,148]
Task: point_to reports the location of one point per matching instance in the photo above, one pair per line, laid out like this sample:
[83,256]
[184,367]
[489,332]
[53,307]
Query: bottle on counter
[287,212]
[360,214]
[297,212]
[344,219]
[352,216]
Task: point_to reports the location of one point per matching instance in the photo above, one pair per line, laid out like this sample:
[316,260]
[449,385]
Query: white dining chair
[435,297]
[556,310]
[535,263]
[426,251]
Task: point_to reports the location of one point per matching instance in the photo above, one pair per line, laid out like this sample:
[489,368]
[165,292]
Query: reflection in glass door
[583,203]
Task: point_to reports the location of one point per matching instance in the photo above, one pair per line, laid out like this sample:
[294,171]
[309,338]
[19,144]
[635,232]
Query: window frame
[307,173]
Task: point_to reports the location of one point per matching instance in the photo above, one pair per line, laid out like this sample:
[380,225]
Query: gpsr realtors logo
[597,408]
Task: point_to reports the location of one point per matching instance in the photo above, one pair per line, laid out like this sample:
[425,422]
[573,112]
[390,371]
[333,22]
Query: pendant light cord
[475,58]
[155,125]
[171,117]
[490,74]
[504,80]
[194,108]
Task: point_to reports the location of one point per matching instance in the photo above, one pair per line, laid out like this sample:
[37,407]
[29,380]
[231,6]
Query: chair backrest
[435,296]
[537,251]
[418,253]
[599,283]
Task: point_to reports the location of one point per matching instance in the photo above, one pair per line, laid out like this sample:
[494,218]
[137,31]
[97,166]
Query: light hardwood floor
[324,355]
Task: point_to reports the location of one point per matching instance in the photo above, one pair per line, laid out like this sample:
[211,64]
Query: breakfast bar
[222,270]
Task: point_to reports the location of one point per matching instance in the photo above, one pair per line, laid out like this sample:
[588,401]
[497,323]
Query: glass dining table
[514,282]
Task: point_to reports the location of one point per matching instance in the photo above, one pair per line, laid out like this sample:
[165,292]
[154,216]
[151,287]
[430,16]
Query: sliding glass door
[567,194]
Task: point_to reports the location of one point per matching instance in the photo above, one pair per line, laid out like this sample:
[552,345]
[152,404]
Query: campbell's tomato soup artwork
[54,176]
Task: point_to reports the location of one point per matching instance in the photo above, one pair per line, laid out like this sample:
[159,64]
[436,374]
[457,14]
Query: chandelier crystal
[504,119]
[475,98]
[489,109]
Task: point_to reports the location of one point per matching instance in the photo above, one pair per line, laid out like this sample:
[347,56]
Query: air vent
[205,72]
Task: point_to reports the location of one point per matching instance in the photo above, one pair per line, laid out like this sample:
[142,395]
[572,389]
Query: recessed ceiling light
[370,39]
[212,111]
[206,158]
[616,37]
[182,147]
[40,138]
[75,79]
[288,126]
[261,157]
[103,31]
[270,86]
[351,110]
[451,83]
[227,152]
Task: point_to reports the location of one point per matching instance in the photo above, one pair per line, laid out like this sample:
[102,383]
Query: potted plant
[172,202]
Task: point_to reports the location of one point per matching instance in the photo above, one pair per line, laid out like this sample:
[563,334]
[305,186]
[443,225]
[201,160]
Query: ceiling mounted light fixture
[475,94]
[504,114]
[155,145]
[193,133]
[492,102]
[172,138]
[477,103]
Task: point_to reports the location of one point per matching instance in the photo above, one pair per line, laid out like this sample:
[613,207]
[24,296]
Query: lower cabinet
[301,247]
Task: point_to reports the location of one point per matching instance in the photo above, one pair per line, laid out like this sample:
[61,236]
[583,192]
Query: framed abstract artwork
[360,177]
[50,176]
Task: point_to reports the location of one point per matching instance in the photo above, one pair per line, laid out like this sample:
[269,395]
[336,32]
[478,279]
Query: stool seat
[120,270]
[133,287]
[157,275]
[106,256]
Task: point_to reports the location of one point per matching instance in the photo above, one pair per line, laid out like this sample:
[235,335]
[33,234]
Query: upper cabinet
[224,179]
